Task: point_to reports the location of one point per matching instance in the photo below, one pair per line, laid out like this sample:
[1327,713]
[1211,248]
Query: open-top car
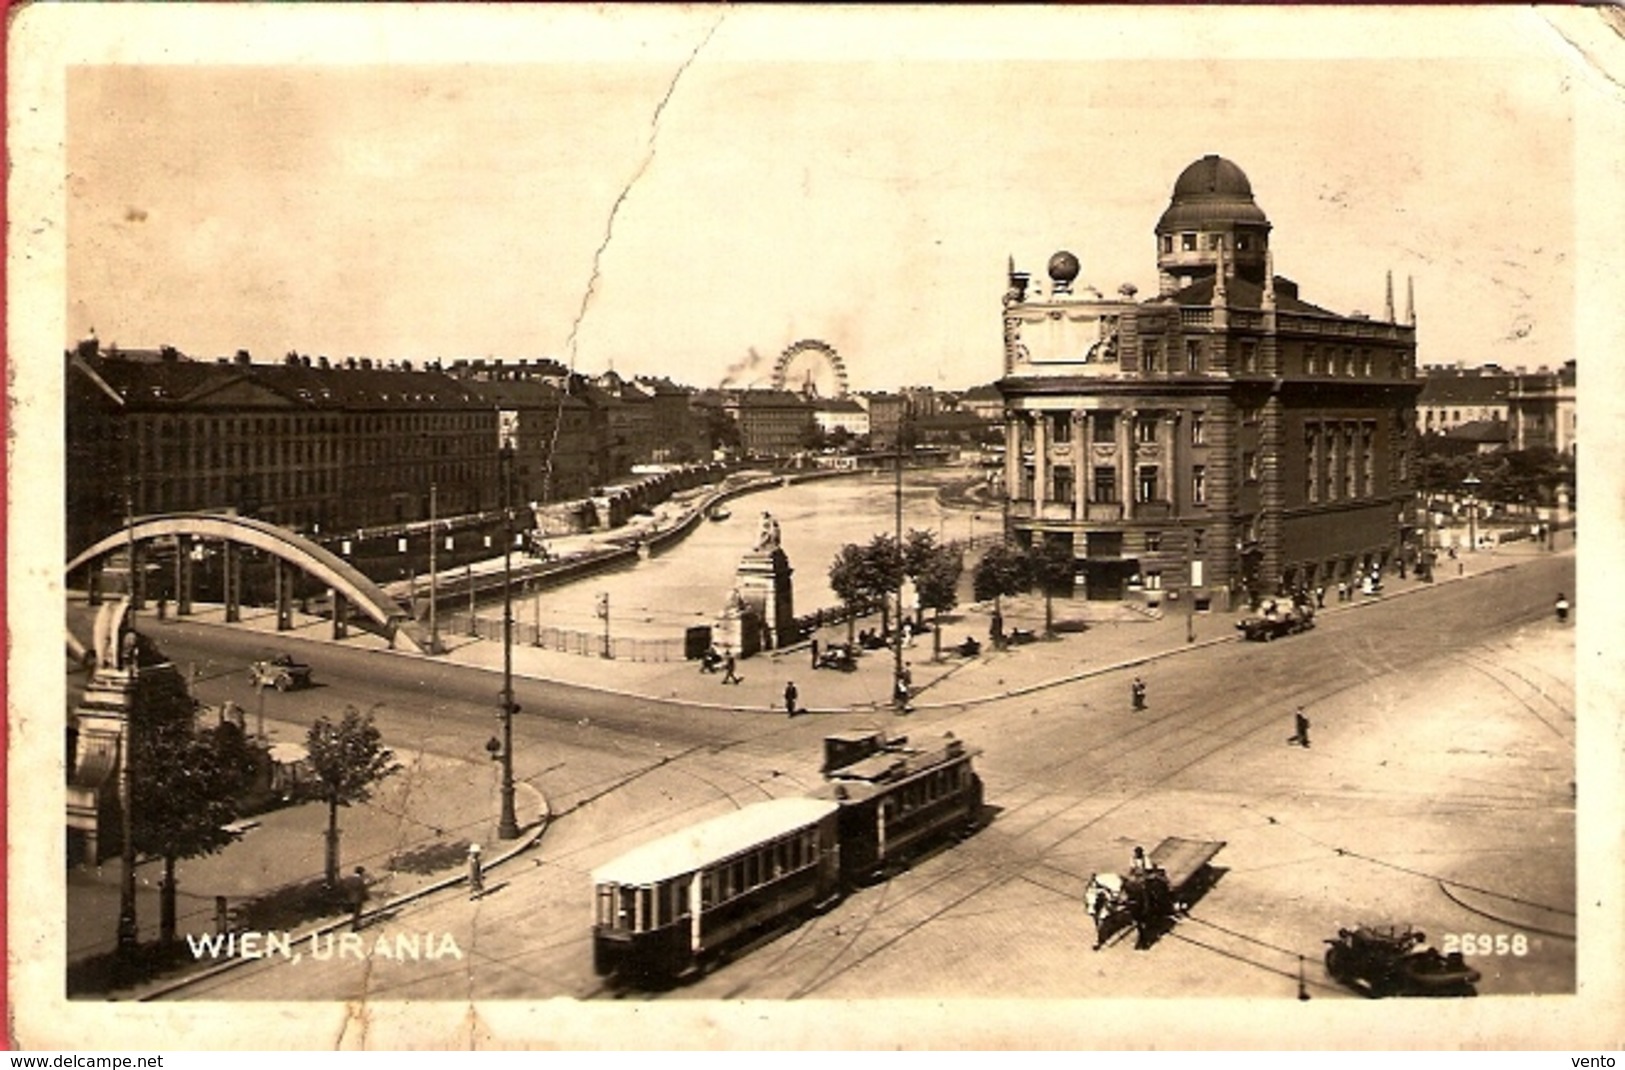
[1395,960]
[280,671]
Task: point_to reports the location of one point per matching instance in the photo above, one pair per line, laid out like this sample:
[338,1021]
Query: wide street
[1439,791]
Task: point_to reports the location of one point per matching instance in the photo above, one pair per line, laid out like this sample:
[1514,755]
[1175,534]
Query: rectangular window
[1028,478]
[1105,489]
[1061,426]
[1348,363]
[1147,484]
[1153,579]
[1148,357]
[1198,541]
[1365,363]
[1199,484]
[1249,356]
[1193,355]
[1249,465]
[1311,451]
[1187,242]
[1311,360]
[1350,485]
[1153,541]
[1368,457]
[1105,427]
[1167,243]
[1061,484]
[1198,429]
[1145,429]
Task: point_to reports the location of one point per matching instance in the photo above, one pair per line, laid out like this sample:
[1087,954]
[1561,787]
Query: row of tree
[871,576]
[1531,476]
[189,783]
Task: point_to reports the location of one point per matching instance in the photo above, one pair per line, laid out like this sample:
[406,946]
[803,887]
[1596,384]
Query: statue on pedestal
[767,539]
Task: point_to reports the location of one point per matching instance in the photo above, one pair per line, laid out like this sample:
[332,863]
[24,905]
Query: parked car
[1274,623]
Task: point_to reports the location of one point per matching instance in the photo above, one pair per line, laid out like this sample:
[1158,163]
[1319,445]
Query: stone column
[183,575]
[341,613]
[231,563]
[1080,446]
[1040,461]
[1125,460]
[1012,456]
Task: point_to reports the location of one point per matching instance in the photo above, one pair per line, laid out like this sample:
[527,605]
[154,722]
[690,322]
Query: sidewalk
[412,837]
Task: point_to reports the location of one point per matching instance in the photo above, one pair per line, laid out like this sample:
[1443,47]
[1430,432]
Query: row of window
[1155,358]
[1341,460]
[1190,240]
[927,789]
[1148,483]
[1058,425]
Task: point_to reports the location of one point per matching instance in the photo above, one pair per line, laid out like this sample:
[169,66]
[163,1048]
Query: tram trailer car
[895,799]
[664,908]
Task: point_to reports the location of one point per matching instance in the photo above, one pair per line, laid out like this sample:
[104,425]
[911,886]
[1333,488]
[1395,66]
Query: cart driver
[1138,863]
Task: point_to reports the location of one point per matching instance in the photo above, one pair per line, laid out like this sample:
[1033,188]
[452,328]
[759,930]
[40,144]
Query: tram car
[666,907]
[896,799]
[672,906]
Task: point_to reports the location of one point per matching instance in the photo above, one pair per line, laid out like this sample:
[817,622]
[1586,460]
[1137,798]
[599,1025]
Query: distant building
[842,414]
[1225,437]
[772,423]
[1453,396]
[1542,410]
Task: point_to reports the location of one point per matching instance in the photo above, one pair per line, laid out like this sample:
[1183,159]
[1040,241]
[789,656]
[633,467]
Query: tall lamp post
[899,693]
[508,824]
[129,934]
[1471,485]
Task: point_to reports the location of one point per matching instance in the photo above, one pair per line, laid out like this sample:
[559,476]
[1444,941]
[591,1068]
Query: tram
[665,907]
[896,799]
[669,907]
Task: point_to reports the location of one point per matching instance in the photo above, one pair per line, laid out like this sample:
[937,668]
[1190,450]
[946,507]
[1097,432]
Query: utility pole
[128,933]
[899,696]
[434,587]
[508,825]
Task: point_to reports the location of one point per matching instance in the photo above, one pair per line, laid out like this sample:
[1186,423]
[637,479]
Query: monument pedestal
[764,586]
[94,787]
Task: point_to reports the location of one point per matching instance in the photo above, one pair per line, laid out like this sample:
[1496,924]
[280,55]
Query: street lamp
[508,824]
[129,935]
[1471,485]
[899,691]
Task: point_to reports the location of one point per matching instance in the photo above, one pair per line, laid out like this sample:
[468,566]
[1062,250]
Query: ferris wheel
[811,368]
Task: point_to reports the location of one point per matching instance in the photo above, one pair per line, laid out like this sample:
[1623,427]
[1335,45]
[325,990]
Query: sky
[695,210]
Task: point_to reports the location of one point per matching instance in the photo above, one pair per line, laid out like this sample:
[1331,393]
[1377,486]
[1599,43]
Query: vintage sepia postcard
[814,527]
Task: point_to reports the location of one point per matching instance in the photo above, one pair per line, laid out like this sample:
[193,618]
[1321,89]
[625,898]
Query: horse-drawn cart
[1153,892]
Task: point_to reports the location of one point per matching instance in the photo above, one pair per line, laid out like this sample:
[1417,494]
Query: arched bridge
[350,587]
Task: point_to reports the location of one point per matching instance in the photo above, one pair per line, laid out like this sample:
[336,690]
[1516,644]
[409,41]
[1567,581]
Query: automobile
[1275,623]
[1395,960]
[280,671]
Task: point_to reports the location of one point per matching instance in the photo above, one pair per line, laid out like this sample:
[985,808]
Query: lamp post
[129,935]
[434,586]
[1471,485]
[899,693]
[508,824]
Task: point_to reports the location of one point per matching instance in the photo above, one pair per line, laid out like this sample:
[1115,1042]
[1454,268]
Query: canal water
[689,583]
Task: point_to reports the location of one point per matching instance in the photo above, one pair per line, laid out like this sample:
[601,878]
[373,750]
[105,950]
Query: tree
[884,575]
[347,758]
[1052,569]
[936,571]
[847,581]
[185,785]
[1003,570]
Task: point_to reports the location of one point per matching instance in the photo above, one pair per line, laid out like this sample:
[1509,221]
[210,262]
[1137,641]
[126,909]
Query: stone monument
[764,586]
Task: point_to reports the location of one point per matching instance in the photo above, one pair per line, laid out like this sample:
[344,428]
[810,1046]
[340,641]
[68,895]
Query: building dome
[1063,267]
[1211,191]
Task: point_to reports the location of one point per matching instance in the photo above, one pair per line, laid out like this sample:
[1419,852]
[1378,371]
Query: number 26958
[1486,943]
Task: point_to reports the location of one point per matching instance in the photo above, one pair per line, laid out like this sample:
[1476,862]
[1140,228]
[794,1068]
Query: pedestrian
[790,698]
[476,872]
[995,630]
[1342,591]
[1562,607]
[1100,910]
[728,675]
[1320,597]
[1136,692]
[1138,863]
[1461,566]
[908,633]
[904,689]
[358,897]
[815,652]
[1300,729]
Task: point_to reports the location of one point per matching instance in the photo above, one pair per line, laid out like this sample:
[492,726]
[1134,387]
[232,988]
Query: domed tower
[1212,209]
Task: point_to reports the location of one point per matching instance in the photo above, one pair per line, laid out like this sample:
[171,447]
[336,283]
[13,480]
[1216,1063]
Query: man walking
[1300,729]
[476,872]
[358,897]
[790,698]
[728,676]
[1137,693]
[1562,607]
[815,652]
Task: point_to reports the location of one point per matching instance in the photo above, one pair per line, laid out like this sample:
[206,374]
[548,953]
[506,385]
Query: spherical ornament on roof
[1063,267]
